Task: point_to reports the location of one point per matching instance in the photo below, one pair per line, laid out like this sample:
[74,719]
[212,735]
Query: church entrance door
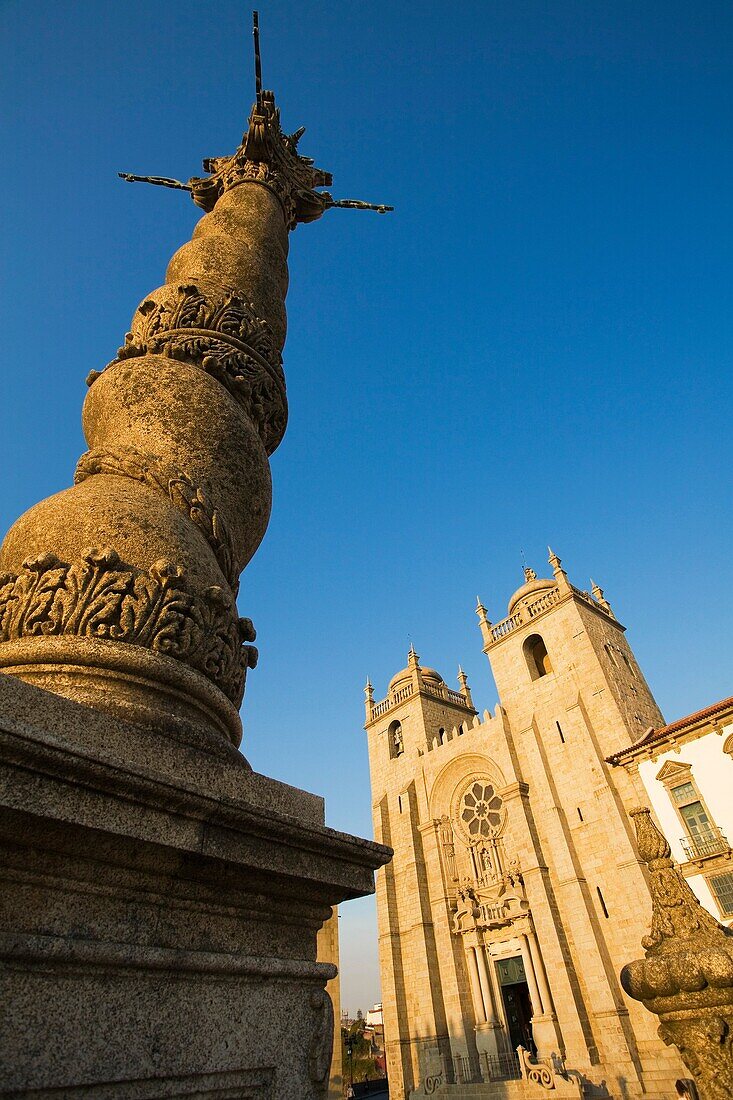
[517,1004]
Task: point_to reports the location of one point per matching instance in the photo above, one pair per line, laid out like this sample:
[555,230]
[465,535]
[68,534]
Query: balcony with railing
[525,613]
[438,691]
[442,691]
[705,845]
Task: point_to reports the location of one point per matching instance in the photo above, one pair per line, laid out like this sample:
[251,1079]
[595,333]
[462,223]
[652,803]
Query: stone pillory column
[162,901]
[686,978]
[120,592]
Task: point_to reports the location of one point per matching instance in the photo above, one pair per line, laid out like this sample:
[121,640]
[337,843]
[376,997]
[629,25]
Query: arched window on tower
[537,657]
[396,744]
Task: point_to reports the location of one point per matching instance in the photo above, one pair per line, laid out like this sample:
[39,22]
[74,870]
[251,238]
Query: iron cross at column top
[269,157]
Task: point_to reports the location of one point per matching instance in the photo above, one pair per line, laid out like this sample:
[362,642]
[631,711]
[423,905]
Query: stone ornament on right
[686,978]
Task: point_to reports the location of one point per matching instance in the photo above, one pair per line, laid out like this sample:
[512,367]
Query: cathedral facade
[515,895]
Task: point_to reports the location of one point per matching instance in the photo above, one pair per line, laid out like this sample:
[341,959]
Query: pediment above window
[673,770]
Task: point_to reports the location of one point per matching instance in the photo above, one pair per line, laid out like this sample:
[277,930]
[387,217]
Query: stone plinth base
[159,914]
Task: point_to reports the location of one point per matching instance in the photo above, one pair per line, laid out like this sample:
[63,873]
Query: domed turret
[532,587]
[405,674]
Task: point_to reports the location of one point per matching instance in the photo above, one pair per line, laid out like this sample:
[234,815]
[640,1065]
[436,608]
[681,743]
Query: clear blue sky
[536,346]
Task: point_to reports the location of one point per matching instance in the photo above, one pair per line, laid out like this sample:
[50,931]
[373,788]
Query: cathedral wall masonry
[515,895]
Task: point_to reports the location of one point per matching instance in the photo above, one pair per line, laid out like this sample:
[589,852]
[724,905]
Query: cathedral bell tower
[420,720]
[573,693]
[515,895]
[559,643]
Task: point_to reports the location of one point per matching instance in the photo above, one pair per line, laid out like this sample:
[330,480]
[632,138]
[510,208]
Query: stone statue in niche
[487,867]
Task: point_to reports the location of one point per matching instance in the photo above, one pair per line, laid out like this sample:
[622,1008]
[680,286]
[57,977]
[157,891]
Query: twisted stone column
[686,978]
[120,592]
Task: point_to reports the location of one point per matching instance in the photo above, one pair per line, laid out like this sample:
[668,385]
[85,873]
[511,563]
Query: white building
[374,1016]
[687,771]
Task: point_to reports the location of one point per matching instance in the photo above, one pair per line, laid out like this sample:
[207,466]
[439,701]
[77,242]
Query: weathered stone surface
[686,978]
[160,902]
[159,912]
[174,494]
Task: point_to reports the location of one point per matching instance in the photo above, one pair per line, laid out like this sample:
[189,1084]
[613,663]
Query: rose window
[480,810]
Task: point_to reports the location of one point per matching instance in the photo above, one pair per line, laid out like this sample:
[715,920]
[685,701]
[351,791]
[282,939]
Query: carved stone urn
[686,978]
[120,592]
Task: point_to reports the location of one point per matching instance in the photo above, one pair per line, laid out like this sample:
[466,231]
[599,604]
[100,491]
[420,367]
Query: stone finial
[481,611]
[553,559]
[558,572]
[598,596]
[529,574]
[368,698]
[465,689]
[269,157]
[413,664]
[483,621]
[686,978]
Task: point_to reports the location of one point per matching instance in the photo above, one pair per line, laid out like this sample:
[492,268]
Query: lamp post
[349,1044]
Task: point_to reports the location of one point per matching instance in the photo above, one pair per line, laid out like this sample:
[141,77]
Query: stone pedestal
[160,907]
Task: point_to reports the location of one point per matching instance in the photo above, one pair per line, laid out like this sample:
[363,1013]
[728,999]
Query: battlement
[463,728]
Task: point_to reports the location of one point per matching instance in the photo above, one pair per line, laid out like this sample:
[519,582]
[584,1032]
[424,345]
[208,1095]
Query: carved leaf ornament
[99,596]
[226,339]
[180,489]
[687,975]
[269,157]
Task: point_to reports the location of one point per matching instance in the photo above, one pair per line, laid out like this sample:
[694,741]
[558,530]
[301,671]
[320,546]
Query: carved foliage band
[706,1046]
[227,340]
[189,498]
[99,596]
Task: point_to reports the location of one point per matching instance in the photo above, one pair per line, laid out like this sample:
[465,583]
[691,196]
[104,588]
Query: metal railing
[466,1069]
[706,845]
[501,1067]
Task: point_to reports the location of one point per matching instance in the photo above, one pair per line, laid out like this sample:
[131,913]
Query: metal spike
[258,59]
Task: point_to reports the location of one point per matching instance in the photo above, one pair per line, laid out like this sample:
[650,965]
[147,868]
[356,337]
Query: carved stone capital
[268,157]
[100,597]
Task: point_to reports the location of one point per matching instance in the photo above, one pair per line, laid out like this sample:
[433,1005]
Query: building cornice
[656,741]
